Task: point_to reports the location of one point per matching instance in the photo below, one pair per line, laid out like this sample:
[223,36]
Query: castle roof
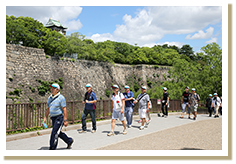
[56,23]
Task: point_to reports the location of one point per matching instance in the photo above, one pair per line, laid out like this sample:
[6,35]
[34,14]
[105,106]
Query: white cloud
[211,41]
[201,34]
[66,14]
[153,23]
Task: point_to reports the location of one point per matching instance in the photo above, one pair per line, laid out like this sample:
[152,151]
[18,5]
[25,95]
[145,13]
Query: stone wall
[25,65]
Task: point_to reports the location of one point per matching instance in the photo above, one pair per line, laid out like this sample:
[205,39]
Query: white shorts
[117,114]
[142,113]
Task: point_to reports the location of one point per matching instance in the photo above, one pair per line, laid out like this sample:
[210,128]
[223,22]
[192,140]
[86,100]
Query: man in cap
[143,100]
[165,101]
[57,109]
[90,99]
[184,102]
[118,105]
[208,104]
[216,103]
[129,105]
[194,102]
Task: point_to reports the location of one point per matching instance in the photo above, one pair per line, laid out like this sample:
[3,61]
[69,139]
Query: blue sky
[141,25]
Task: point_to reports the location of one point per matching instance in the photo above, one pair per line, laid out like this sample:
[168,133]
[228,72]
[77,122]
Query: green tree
[54,43]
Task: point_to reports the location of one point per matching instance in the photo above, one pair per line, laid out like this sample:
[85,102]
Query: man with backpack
[184,102]
[194,102]
[57,109]
[144,106]
[208,104]
[90,99]
[118,105]
[216,103]
[129,105]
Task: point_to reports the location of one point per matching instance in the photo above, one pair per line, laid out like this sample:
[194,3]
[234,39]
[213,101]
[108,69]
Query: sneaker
[163,115]
[194,118]
[93,131]
[158,115]
[69,145]
[83,131]
[139,121]
[129,126]
[124,131]
[111,134]
[147,123]
[141,128]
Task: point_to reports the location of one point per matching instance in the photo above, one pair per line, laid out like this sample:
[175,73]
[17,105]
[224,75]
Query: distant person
[194,102]
[220,110]
[57,108]
[90,99]
[208,103]
[118,105]
[165,101]
[216,103]
[129,105]
[143,100]
[184,102]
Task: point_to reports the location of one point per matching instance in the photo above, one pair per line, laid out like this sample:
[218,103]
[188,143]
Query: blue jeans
[129,115]
[84,116]
[57,123]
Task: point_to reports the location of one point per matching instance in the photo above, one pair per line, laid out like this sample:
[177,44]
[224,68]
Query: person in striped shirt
[57,109]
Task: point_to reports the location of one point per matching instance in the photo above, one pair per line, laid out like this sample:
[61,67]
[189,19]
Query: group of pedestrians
[122,103]
[191,101]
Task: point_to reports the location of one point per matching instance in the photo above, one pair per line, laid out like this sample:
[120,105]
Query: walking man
[194,102]
[118,105]
[90,99]
[165,101]
[143,100]
[184,102]
[129,105]
[57,109]
[208,104]
[216,103]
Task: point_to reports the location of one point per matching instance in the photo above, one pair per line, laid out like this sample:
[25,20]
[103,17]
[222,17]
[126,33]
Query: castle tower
[56,25]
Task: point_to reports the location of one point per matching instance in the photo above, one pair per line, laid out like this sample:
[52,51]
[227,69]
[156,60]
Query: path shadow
[119,124]
[186,148]
[116,132]
[47,148]
[133,126]
[88,130]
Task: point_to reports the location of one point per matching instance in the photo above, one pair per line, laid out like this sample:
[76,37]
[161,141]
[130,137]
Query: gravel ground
[200,135]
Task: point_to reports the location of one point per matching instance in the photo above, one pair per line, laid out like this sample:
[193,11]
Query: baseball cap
[144,87]
[55,85]
[210,94]
[88,85]
[115,86]
[126,87]
[187,87]
[165,88]
[193,89]
[215,94]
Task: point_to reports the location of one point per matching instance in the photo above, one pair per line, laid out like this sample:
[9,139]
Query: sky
[145,26]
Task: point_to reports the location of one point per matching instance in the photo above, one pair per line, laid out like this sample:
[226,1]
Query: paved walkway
[163,133]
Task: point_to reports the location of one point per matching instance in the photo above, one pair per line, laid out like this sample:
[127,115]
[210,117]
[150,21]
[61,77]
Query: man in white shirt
[118,105]
[216,103]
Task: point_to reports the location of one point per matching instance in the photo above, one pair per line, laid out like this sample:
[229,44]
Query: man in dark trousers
[57,109]
[165,101]
[90,99]
[208,103]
